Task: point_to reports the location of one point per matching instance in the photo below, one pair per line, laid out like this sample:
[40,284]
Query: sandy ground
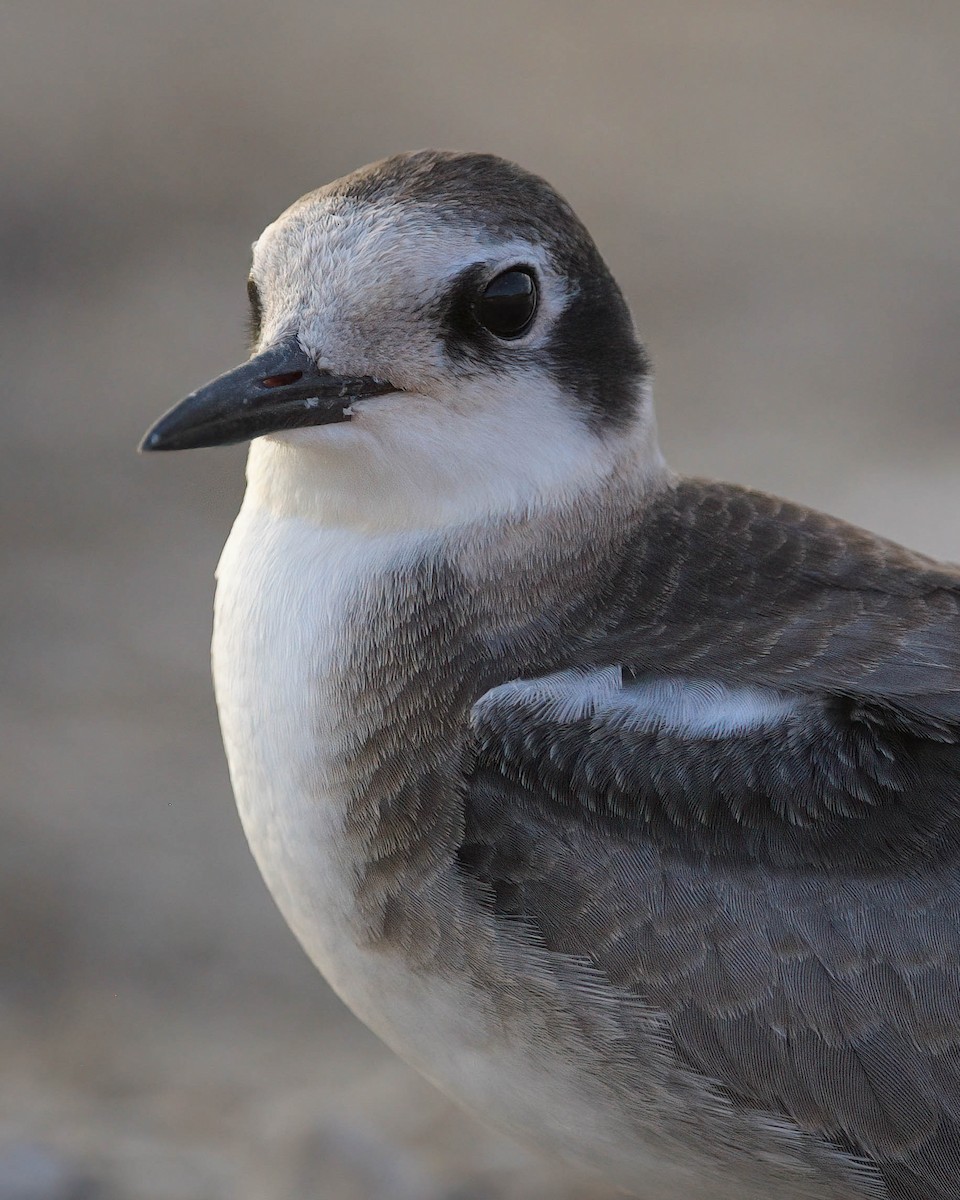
[777,186]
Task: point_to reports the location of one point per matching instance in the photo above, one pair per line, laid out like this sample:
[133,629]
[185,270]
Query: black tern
[622,805]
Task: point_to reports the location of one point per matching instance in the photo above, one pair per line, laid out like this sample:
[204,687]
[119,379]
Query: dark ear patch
[594,352]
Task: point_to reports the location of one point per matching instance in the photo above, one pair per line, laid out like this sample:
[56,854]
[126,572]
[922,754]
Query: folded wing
[764,848]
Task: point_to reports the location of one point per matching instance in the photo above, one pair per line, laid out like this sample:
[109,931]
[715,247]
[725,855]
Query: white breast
[282,636]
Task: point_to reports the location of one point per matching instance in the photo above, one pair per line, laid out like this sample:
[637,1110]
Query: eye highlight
[255,316]
[508,303]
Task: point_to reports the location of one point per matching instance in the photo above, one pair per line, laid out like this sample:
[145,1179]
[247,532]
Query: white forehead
[329,249]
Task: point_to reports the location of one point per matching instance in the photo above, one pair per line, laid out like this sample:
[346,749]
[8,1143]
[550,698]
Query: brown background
[777,186]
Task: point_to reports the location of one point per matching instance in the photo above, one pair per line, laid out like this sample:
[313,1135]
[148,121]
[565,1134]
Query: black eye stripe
[508,303]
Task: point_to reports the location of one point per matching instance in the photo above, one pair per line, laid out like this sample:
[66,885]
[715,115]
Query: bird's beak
[282,388]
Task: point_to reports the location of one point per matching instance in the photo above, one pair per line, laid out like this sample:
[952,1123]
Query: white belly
[288,619]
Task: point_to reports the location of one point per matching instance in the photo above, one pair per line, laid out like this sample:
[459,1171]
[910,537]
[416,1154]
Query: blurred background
[777,186]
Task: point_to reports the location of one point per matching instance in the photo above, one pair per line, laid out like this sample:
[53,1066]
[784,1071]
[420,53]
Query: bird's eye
[256,311]
[509,303]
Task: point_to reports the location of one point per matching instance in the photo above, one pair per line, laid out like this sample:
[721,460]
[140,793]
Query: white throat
[407,462]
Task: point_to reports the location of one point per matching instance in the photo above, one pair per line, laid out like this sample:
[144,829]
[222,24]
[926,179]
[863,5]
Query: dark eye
[508,303]
[256,311]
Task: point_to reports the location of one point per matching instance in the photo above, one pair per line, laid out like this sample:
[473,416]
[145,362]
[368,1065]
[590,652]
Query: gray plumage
[785,901]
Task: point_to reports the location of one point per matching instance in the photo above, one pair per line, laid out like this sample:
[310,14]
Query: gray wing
[772,866]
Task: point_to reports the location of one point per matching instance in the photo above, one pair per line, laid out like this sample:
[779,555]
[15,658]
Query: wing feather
[741,801]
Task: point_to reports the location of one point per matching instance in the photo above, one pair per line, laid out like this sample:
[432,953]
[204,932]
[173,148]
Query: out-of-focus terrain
[777,185]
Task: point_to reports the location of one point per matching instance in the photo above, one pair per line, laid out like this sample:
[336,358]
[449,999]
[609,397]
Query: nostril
[273,381]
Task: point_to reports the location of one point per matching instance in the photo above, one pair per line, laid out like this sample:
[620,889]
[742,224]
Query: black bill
[282,388]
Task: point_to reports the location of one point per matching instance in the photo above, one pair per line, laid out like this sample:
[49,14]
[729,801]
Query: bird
[624,806]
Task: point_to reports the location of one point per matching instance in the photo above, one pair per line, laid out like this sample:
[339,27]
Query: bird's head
[434,334]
